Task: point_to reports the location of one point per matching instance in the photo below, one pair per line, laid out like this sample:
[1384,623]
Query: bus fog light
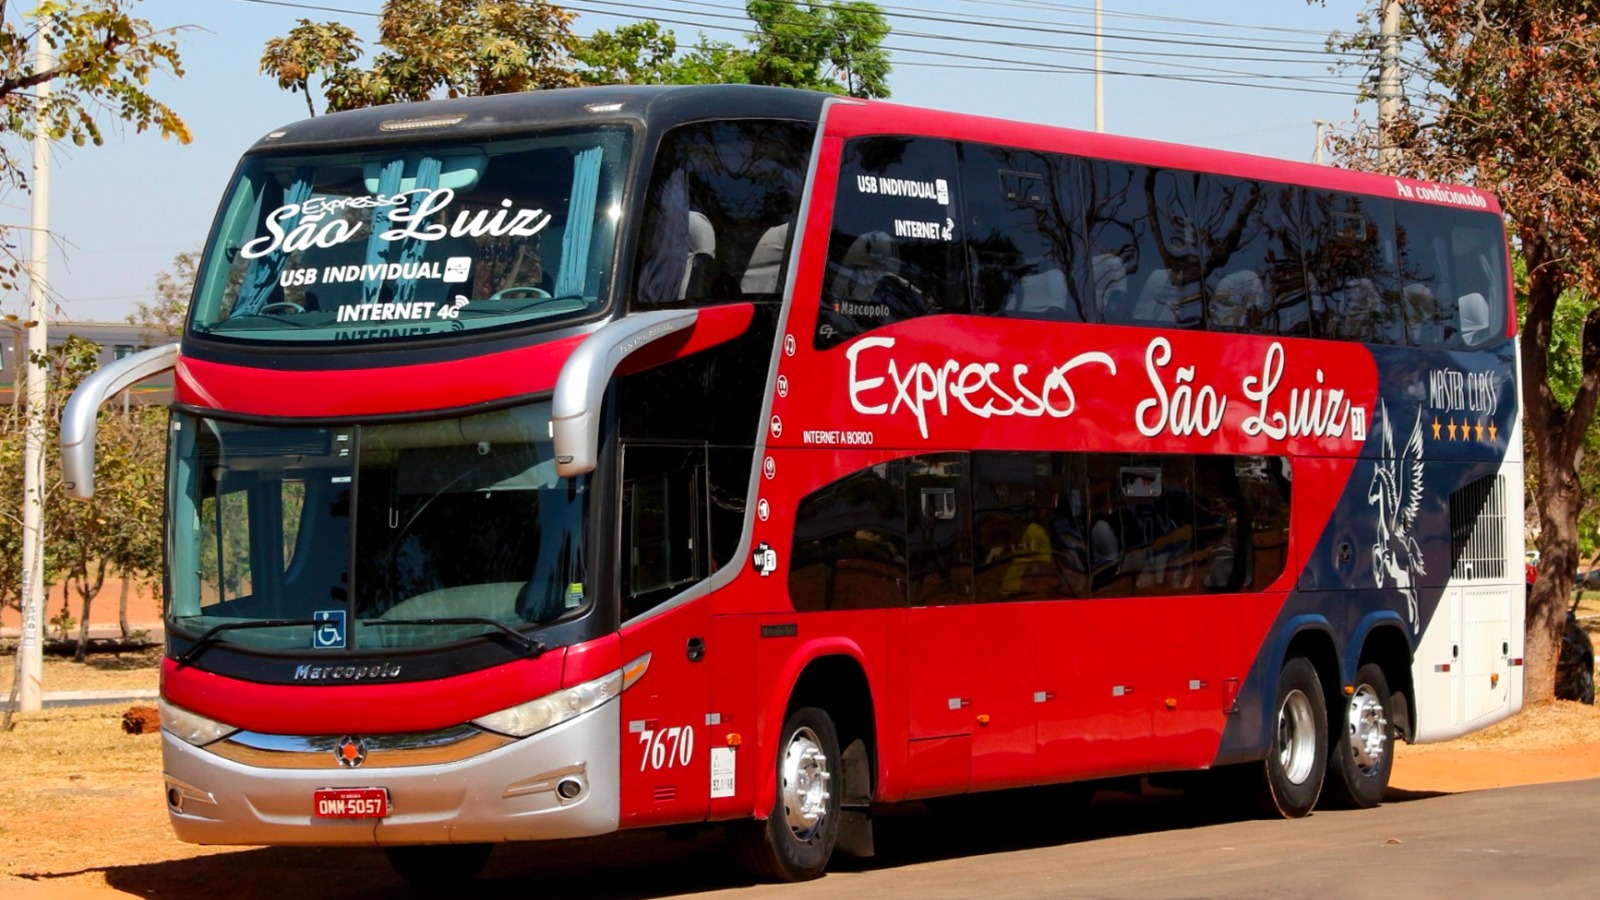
[569,789]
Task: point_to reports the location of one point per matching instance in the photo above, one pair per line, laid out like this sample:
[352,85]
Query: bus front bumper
[559,783]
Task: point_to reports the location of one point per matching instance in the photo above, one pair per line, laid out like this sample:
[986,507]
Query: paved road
[1539,841]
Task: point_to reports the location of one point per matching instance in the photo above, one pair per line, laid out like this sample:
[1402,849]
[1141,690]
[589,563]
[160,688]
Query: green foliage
[104,58]
[455,48]
[307,50]
[429,49]
[636,53]
[161,317]
[63,622]
[834,47]
[119,529]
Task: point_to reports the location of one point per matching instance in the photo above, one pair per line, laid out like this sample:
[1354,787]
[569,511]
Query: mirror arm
[78,422]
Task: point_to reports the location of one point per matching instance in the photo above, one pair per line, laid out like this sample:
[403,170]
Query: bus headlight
[550,710]
[190,727]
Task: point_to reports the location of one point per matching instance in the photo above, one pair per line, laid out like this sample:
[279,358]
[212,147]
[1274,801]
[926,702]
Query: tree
[309,49]
[429,49]
[162,316]
[103,60]
[834,47]
[1505,99]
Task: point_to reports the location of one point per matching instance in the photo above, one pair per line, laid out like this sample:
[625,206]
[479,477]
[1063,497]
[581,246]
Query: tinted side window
[1029,522]
[850,543]
[1026,233]
[1264,492]
[1253,238]
[896,248]
[663,491]
[1452,274]
[720,211]
[1355,294]
[940,529]
[1122,244]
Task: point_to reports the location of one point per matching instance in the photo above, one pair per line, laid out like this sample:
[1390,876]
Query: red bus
[552,464]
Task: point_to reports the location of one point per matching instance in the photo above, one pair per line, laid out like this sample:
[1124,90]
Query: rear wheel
[795,842]
[439,865]
[1361,749]
[1291,777]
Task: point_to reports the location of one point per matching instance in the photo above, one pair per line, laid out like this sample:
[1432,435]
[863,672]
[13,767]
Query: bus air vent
[1478,529]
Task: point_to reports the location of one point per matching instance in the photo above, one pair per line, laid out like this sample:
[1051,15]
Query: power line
[1187,72]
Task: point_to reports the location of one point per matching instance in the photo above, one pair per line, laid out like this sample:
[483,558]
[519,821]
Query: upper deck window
[896,248]
[415,241]
[719,213]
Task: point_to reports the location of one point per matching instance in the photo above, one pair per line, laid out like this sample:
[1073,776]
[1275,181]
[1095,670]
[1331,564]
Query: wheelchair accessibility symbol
[328,633]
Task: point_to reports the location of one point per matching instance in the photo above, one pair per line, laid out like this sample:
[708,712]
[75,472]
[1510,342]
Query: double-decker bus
[553,464]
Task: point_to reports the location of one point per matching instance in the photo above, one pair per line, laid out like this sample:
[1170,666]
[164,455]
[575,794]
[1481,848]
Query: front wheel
[1291,777]
[795,842]
[439,865]
[1361,749]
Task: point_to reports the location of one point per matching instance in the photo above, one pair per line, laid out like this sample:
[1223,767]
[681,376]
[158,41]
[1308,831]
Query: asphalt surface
[1538,841]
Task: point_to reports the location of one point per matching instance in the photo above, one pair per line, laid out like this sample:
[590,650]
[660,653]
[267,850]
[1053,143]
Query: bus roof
[661,105]
[862,117]
[664,106]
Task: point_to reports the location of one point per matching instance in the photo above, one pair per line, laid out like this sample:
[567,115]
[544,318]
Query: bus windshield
[405,242]
[386,527]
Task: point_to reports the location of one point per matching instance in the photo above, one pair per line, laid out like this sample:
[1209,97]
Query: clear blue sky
[1176,72]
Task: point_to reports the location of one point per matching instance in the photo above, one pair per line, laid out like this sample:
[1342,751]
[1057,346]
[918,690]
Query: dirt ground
[82,814]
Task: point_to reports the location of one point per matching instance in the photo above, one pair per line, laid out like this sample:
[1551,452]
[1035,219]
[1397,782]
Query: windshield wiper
[212,635]
[531,647]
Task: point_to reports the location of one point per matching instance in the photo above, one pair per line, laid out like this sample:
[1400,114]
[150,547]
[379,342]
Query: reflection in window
[1042,526]
[850,543]
[662,538]
[896,248]
[1029,520]
[1051,236]
[719,212]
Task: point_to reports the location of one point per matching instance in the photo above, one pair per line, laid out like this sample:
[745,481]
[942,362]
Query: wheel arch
[831,676]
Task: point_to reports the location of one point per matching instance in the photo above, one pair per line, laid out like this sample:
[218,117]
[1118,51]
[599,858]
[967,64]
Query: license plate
[351,803]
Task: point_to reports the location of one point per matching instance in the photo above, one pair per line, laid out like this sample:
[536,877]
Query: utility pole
[1389,88]
[1099,72]
[30,652]
[1316,154]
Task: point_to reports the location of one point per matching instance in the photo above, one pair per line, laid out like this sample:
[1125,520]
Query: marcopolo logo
[346,673]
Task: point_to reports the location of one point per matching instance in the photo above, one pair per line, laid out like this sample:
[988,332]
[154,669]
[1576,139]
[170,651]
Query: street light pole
[1099,73]
[30,650]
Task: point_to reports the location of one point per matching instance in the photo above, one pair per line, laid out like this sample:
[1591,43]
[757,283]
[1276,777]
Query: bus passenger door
[665,740]
[1095,654]
[971,715]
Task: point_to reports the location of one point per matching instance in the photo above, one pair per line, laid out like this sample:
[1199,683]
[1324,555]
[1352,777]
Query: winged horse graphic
[1396,491]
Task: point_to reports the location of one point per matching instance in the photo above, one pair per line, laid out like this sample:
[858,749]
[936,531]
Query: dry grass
[80,744]
[127,671]
[1558,723]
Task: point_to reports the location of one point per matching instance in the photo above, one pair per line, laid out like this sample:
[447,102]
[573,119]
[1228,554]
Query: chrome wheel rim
[1369,730]
[806,780]
[1297,737]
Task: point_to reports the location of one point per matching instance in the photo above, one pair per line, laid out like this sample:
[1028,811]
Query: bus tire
[1291,777]
[439,865]
[1361,751]
[795,842]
